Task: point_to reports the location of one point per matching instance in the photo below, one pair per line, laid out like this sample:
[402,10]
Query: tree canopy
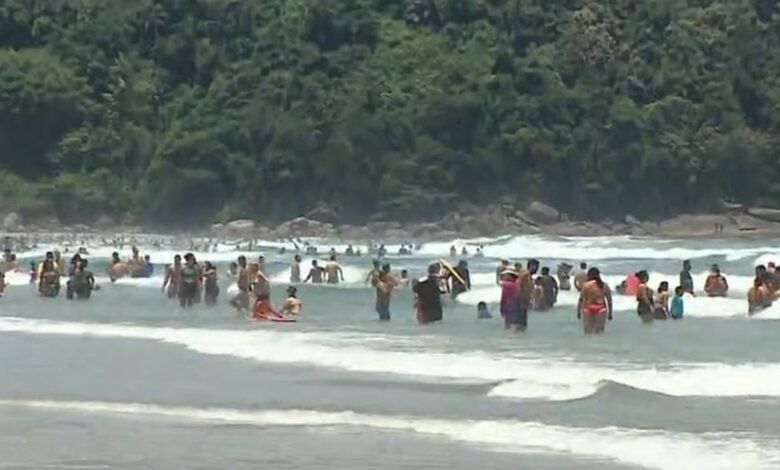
[178,112]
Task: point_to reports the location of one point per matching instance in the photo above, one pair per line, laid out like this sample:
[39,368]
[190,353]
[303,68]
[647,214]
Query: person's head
[332,257]
[292,291]
[687,265]
[663,287]
[533,265]
[518,267]
[314,263]
[678,291]
[386,268]
[771,266]
[50,255]
[643,276]
[463,264]
[260,260]
[595,275]
[545,271]
[504,262]
[433,270]
[481,306]
[242,261]
[715,269]
[760,270]
[404,274]
[297,258]
[189,258]
[583,266]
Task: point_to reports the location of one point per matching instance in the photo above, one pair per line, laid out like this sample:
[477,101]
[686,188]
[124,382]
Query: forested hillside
[182,111]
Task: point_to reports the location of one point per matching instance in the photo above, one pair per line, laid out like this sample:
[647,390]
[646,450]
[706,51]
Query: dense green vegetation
[180,111]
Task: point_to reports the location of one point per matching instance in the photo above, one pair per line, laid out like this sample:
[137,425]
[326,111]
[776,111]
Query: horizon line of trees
[180,112]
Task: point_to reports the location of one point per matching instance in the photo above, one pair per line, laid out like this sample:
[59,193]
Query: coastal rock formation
[542,213]
[12,222]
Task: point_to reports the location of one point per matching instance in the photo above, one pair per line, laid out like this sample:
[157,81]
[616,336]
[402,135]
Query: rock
[217,227]
[324,214]
[542,213]
[765,213]
[12,222]
[631,221]
[690,225]
[240,224]
[734,207]
[352,233]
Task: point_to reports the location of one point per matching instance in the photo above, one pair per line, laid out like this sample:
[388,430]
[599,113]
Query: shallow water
[340,389]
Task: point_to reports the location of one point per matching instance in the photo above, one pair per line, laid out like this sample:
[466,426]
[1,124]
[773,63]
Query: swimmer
[189,280]
[564,274]
[171,281]
[315,273]
[644,298]
[404,280]
[686,280]
[677,309]
[384,292]
[210,285]
[241,300]
[716,284]
[333,270]
[482,311]
[661,306]
[292,305]
[373,275]
[595,304]
[295,270]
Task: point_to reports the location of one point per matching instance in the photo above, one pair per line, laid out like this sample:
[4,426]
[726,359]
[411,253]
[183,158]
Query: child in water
[483,312]
[33,273]
[678,306]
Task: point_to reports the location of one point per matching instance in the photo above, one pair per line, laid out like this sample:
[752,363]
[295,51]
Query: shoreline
[492,223]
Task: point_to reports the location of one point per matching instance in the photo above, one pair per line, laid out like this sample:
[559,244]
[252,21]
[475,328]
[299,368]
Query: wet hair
[113,255]
[481,305]
[297,258]
[84,263]
[292,291]
[545,270]
[583,265]
[49,254]
[643,276]
[386,267]
[663,287]
[404,272]
[178,258]
[505,262]
[595,275]
[314,262]
[433,269]
[686,264]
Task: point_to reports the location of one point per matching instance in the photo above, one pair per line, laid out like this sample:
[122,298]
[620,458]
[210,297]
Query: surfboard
[273,318]
[452,271]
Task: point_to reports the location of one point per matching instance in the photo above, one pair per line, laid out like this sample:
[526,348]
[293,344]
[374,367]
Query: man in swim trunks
[315,273]
[549,289]
[334,273]
[295,270]
[686,280]
[384,292]
[644,298]
[428,297]
[171,281]
[519,321]
[241,301]
[595,303]
[373,275]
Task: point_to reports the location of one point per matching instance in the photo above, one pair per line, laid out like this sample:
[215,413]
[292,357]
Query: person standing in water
[373,275]
[384,292]
[333,270]
[644,298]
[581,276]
[295,270]
[429,297]
[171,281]
[210,285]
[661,306]
[525,292]
[188,282]
[315,273]
[292,305]
[549,289]
[510,300]
[686,280]
[678,305]
[595,303]
[500,270]
[716,284]
[241,301]
[564,273]
[460,287]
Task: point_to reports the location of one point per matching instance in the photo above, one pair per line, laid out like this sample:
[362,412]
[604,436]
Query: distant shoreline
[699,226]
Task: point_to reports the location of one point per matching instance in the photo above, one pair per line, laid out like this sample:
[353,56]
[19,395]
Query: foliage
[174,111]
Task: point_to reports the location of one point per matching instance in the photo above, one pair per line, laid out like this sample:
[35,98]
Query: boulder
[323,214]
[542,213]
[631,221]
[217,227]
[12,222]
[765,213]
[240,224]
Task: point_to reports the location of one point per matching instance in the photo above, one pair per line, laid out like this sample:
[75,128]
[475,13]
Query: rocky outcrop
[542,213]
[240,225]
[765,213]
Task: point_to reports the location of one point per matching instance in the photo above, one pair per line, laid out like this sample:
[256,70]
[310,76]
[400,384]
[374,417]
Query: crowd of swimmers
[524,288]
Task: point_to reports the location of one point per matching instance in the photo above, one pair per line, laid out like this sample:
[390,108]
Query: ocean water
[129,380]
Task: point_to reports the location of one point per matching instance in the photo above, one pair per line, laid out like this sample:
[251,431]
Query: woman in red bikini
[595,305]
